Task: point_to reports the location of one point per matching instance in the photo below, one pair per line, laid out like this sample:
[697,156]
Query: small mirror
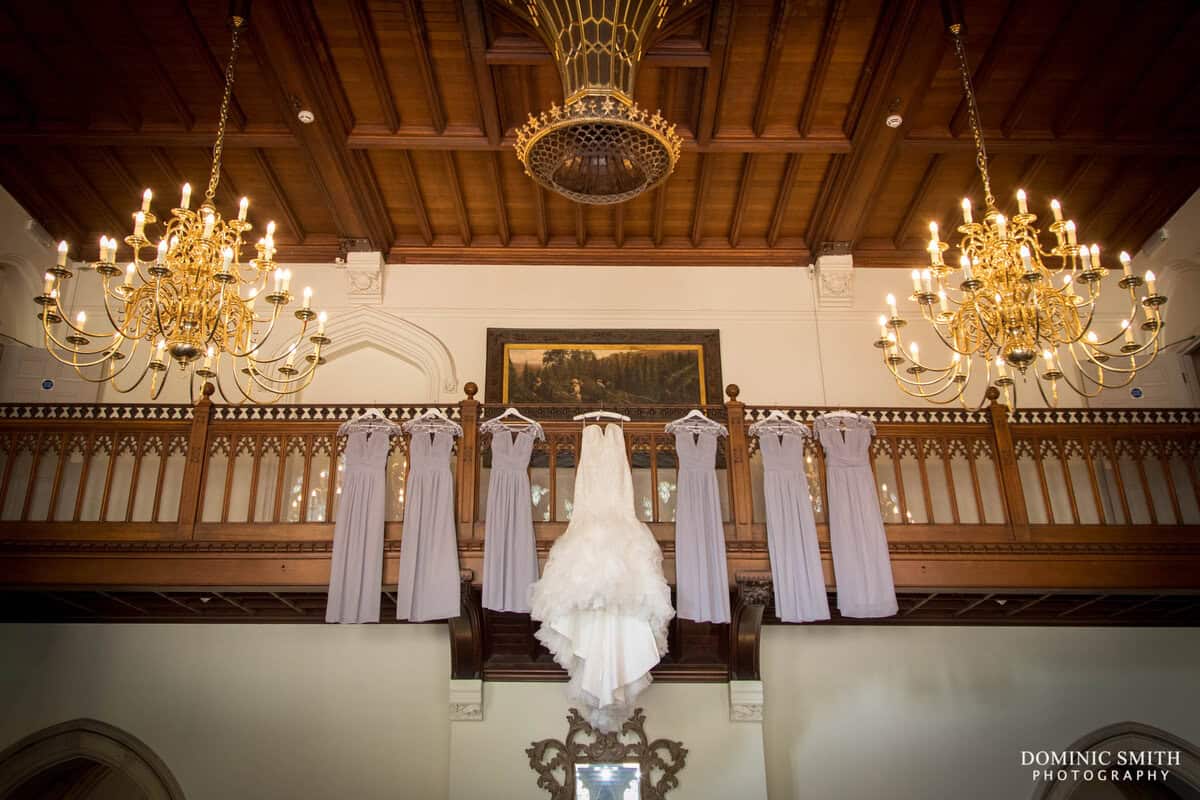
[608,781]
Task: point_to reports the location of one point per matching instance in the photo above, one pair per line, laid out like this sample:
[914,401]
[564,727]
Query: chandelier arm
[67,347]
[249,354]
[1080,388]
[930,397]
[941,376]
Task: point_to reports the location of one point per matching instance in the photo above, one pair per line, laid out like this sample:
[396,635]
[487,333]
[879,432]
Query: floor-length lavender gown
[510,562]
[429,577]
[701,573]
[791,531]
[861,563]
[356,574]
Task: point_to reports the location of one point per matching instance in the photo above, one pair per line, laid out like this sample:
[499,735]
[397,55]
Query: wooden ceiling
[781,104]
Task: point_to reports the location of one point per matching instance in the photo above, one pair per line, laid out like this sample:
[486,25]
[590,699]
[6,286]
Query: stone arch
[1130,736]
[17,311]
[349,327]
[95,741]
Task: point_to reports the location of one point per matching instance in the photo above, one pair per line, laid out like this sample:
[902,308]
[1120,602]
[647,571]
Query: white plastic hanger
[779,423]
[601,415]
[695,421]
[433,419]
[370,420]
[498,424]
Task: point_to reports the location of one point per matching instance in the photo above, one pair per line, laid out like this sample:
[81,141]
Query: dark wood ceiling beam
[456,194]
[619,224]
[1099,70]
[475,35]
[739,203]
[1033,80]
[894,69]
[1029,173]
[703,179]
[272,136]
[169,171]
[361,14]
[720,37]
[87,191]
[216,70]
[820,68]
[790,170]
[581,232]
[1006,32]
[502,225]
[932,169]
[1120,119]
[1106,194]
[111,75]
[420,213]
[540,214]
[660,213]
[114,164]
[1078,173]
[44,207]
[145,46]
[280,196]
[420,45]
[1174,146]
[292,47]
[770,71]
[514,51]
[565,250]
[1148,212]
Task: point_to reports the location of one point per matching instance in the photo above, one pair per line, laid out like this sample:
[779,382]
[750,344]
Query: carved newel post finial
[733,390]
[208,389]
[991,394]
[471,389]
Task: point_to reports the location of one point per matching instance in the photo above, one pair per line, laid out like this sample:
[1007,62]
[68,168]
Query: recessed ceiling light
[305,116]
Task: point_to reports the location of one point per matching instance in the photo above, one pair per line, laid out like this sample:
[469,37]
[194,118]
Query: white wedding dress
[602,600]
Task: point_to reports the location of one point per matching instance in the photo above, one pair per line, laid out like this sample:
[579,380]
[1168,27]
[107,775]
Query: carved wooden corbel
[745,632]
[466,634]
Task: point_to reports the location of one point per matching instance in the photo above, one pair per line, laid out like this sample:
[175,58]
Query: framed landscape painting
[600,368]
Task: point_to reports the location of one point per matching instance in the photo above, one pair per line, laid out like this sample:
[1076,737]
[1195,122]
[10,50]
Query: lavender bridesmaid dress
[429,578]
[701,573]
[791,531]
[510,562]
[356,575]
[860,551]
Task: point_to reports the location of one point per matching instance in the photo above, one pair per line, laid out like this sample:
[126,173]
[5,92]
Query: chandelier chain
[981,158]
[214,177]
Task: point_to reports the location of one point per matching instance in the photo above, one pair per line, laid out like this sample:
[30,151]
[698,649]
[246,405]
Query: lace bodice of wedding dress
[602,600]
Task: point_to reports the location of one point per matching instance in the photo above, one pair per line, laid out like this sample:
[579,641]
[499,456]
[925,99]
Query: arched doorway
[84,759]
[1182,782]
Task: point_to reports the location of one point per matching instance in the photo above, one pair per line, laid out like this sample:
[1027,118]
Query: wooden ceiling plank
[1028,604]
[512,51]
[162,160]
[420,44]
[543,222]
[475,33]
[288,603]
[177,602]
[1078,173]
[1118,121]
[660,213]
[790,170]
[702,183]
[91,195]
[1098,71]
[122,601]
[619,224]
[1006,32]
[1037,72]
[418,202]
[502,224]
[112,72]
[216,71]
[370,51]
[145,46]
[918,199]
[280,196]
[919,604]
[1030,171]
[1166,197]
[26,189]
[978,601]
[770,71]
[1073,145]
[460,205]
[820,68]
[114,164]
[720,37]
[293,47]
[581,232]
[1083,605]
[743,193]
[1107,192]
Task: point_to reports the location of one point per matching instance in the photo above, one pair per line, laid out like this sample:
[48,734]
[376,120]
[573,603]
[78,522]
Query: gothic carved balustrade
[216,495]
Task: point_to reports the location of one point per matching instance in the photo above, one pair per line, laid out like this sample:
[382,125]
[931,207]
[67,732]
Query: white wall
[909,713]
[913,713]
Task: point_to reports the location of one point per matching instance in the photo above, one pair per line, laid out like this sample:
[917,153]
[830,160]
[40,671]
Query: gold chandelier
[599,147]
[1022,310]
[183,299]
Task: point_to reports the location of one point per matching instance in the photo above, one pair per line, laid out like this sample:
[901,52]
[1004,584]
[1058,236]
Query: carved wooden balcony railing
[245,498]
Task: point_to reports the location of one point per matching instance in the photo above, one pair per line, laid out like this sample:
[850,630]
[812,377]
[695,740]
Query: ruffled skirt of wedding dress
[604,606]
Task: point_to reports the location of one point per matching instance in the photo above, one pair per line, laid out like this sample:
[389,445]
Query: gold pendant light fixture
[189,300]
[1022,310]
[599,147]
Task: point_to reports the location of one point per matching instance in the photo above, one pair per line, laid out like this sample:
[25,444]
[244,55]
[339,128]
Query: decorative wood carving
[745,631]
[466,635]
[660,760]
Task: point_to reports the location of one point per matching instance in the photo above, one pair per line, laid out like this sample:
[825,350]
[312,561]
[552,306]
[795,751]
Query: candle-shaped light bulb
[278,280]
[162,251]
[966,208]
[250,298]
[271,230]
[1001,367]
[321,318]
[926,281]
[914,349]
[1092,338]
[1068,285]
[226,259]
[146,197]
[1071,232]
[307,297]
[208,357]
[965,263]
[1095,249]
[1125,262]
[159,348]
[62,254]
[1026,259]
[1085,257]
[139,225]
[210,221]
[1151,289]
[103,247]
[47,284]
[1022,205]
[130,271]
[1128,331]
[891,301]
[243,207]
[916,279]
[1056,208]
[287,279]
[81,318]
[1049,357]
[1001,226]
[291,359]
[933,231]
[943,302]
[883,330]
[185,201]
